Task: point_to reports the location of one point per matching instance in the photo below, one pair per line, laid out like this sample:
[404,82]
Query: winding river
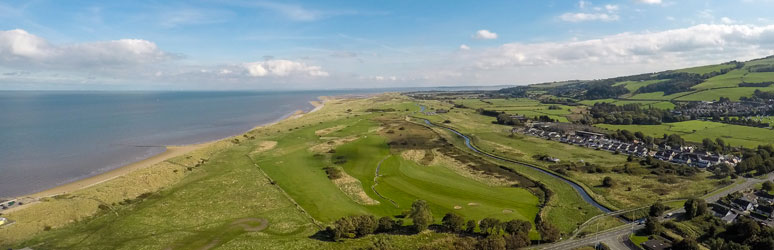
[585,195]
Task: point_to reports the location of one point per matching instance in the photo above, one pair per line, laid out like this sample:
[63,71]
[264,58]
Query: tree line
[627,114]
[489,233]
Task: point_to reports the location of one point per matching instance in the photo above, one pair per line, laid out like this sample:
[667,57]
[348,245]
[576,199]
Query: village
[686,155]
[755,203]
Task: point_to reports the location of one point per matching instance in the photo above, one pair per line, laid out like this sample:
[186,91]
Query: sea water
[48,138]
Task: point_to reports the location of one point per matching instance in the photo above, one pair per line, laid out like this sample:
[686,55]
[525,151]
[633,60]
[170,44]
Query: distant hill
[733,80]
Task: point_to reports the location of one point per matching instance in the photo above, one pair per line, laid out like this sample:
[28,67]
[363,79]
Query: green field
[521,106]
[696,131]
[635,85]
[706,69]
[655,104]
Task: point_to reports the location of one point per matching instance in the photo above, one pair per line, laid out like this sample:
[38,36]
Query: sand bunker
[245,224]
[457,207]
[507,211]
[326,131]
[473,204]
[328,145]
[264,146]
[354,189]
[415,155]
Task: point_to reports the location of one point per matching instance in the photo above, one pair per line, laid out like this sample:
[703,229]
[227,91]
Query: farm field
[635,85]
[521,106]
[730,79]
[706,69]
[657,96]
[696,131]
[714,94]
[655,104]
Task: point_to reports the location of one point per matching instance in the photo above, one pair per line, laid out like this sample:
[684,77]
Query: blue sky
[238,44]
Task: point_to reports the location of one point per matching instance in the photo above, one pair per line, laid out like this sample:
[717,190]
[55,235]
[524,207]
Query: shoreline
[170,151]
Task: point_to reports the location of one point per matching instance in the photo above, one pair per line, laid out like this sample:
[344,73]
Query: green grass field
[696,131]
[706,69]
[635,85]
[655,104]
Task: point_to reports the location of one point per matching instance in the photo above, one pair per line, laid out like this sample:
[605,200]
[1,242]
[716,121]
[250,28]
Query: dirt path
[376,175]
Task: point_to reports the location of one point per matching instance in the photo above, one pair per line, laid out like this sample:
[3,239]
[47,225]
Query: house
[724,213]
[743,204]
[766,211]
[656,244]
[589,134]
[765,196]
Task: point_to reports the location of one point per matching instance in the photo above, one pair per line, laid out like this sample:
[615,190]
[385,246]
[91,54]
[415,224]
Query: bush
[608,182]
[420,215]
[333,172]
[452,222]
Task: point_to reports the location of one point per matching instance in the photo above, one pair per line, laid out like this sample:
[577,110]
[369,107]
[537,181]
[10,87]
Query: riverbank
[171,151]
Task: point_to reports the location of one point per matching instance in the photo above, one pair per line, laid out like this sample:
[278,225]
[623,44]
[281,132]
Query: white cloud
[282,68]
[727,20]
[696,43]
[582,17]
[583,4]
[464,47]
[611,8]
[649,1]
[20,49]
[485,35]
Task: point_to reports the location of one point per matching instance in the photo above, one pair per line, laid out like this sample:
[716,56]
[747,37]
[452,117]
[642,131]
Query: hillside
[733,80]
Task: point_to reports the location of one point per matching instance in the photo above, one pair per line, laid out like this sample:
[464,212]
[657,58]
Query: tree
[490,226]
[743,229]
[452,222]
[365,225]
[657,209]
[548,232]
[421,215]
[608,181]
[516,227]
[652,226]
[470,227]
[686,244]
[709,145]
[694,208]
[493,242]
[386,224]
[768,186]
[516,241]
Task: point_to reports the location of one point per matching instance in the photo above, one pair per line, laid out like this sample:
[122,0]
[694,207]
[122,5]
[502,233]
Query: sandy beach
[170,152]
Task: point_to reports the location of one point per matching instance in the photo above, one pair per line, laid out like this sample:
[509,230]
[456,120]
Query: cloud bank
[20,49]
[692,43]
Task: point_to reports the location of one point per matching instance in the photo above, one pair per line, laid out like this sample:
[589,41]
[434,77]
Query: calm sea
[51,138]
